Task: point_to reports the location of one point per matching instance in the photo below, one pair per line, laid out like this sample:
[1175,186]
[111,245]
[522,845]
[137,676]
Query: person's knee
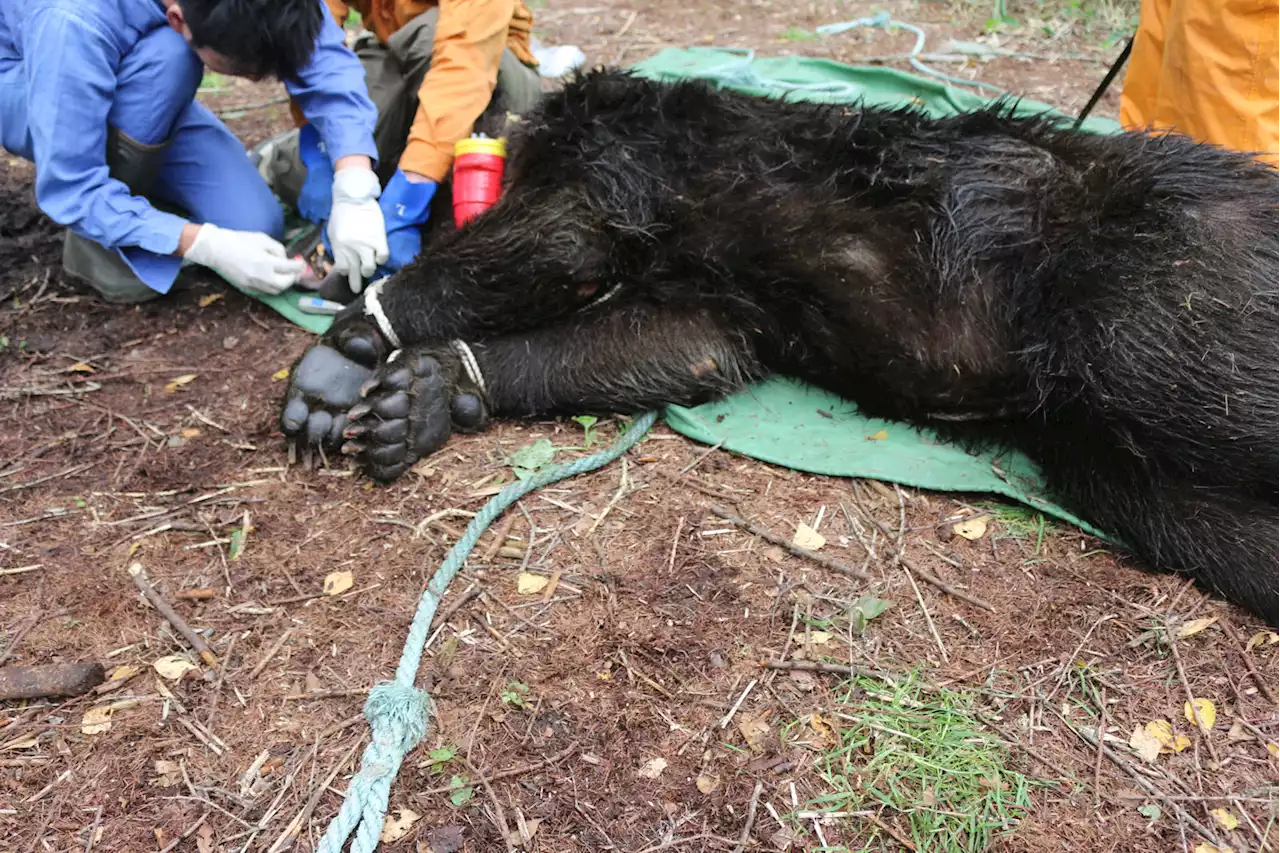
[157,80]
[264,215]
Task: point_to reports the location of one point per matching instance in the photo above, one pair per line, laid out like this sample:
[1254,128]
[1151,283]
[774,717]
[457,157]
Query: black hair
[261,38]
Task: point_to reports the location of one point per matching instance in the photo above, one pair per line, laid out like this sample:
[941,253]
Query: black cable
[1106,83]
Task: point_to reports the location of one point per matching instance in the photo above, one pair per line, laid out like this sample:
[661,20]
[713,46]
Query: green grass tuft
[921,761]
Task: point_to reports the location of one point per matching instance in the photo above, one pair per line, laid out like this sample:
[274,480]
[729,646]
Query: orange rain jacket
[1207,69]
[470,37]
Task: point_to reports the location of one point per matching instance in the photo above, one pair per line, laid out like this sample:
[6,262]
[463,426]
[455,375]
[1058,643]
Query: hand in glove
[357,231]
[406,205]
[248,259]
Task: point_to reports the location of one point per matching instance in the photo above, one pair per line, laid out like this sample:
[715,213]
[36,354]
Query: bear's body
[1105,304]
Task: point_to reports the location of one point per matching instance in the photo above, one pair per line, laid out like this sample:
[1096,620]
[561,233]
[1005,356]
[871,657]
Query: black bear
[1105,304]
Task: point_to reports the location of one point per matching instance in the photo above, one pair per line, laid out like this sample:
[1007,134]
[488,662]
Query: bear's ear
[610,88]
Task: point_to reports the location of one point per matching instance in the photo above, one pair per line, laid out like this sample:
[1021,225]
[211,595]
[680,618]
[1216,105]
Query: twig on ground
[46,478]
[290,833]
[1191,698]
[680,842]
[217,687]
[500,536]
[745,835]
[636,673]
[817,666]
[675,542]
[617,496]
[919,572]
[782,542]
[38,795]
[928,618]
[93,830]
[1097,761]
[890,831]
[736,705]
[687,480]
[511,772]
[701,456]
[271,652]
[1137,777]
[19,637]
[500,816]
[1263,687]
[138,574]
[185,835]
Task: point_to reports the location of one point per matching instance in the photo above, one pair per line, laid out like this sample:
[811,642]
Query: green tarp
[787,423]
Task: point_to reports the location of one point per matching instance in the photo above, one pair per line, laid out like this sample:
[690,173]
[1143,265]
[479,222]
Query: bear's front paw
[409,407]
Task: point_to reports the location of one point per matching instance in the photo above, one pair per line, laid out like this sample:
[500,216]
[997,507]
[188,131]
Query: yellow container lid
[480,145]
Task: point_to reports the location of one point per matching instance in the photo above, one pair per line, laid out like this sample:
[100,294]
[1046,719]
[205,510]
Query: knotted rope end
[399,709]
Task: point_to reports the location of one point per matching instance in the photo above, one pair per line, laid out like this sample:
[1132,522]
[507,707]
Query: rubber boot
[279,163]
[135,165]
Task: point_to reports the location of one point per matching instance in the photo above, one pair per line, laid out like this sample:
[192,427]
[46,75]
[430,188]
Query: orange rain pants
[1206,69]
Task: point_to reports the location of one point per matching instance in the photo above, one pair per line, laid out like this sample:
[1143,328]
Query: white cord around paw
[469,363]
[373,310]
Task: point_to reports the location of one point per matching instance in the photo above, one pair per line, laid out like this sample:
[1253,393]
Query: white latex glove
[248,259]
[357,231]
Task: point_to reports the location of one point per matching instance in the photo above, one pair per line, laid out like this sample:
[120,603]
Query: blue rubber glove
[405,207]
[315,200]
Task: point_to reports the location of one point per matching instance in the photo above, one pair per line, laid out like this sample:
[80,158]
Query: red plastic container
[478,164]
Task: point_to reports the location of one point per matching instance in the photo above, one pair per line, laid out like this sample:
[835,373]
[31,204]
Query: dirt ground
[148,435]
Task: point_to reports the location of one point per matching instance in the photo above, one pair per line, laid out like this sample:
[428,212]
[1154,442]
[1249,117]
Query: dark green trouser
[394,73]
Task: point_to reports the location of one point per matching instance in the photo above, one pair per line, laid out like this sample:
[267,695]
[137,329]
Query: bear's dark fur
[1106,304]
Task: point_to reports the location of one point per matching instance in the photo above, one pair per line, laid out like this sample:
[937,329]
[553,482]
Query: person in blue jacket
[100,96]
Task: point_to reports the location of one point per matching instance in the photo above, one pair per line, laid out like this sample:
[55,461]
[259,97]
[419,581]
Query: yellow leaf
[189,432]
[81,367]
[1195,626]
[808,538]
[971,528]
[1162,731]
[878,435]
[531,584]
[282,373]
[206,301]
[21,743]
[1274,750]
[336,583]
[652,769]
[173,667]
[1225,818]
[1145,744]
[825,731]
[1209,848]
[819,638]
[706,784]
[98,720]
[1269,638]
[177,382]
[1204,708]
[393,829]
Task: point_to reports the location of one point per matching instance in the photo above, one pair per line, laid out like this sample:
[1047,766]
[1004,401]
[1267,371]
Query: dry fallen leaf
[117,678]
[189,432]
[753,729]
[971,528]
[531,584]
[706,784]
[1162,730]
[168,774]
[1269,638]
[1209,848]
[819,638]
[336,583]
[173,667]
[21,743]
[177,382]
[282,373]
[823,729]
[204,839]
[206,301]
[652,769]
[1225,819]
[1204,708]
[393,829]
[98,720]
[1195,626]
[878,435]
[81,367]
[808,538]
[773,554]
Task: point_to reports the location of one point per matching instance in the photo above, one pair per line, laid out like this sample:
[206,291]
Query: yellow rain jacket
[470,37]
[1207,69]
